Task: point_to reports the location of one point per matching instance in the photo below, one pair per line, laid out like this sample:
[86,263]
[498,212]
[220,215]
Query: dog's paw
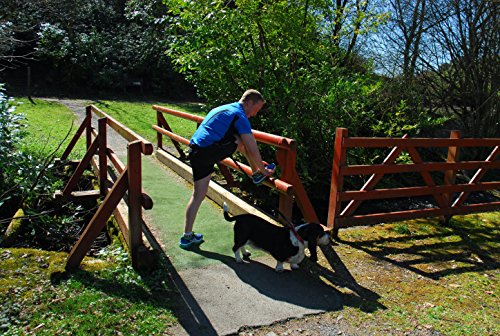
[240,261]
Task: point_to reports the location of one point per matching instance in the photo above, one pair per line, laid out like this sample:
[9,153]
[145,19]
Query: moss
[13,230]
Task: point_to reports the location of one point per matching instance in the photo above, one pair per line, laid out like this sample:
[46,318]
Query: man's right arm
[253,152]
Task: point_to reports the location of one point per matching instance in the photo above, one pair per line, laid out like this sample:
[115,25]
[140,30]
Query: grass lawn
[49,125]
[139,116]
[428,276]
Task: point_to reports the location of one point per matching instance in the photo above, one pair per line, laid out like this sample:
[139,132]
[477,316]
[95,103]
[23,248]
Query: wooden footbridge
[119,182]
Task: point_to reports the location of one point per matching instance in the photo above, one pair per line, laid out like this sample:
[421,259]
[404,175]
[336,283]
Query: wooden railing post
[283,158]
[88,130]
[134,199]
[159,136]
[337,180]
[103,159]
[450,175]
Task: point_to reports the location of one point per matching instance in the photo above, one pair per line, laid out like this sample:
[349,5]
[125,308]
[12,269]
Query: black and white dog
[280,242]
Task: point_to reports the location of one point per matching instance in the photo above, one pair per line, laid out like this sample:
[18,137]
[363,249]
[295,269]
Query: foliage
[302,56]
[19,171]
[95,44]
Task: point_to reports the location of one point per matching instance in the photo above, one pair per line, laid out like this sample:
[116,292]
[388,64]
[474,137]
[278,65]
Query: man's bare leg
[200,189]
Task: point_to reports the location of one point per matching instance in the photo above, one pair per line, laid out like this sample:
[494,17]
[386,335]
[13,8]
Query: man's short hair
[253,95]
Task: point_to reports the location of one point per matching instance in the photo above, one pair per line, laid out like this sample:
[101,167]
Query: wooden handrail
[129,180]
[125,132]
[418,142]
[289,185]
[267,138]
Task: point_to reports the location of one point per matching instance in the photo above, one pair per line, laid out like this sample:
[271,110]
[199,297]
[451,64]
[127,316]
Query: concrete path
[219,296]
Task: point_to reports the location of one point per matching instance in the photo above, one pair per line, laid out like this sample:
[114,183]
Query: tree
[302,56]
[443,57]
[463,63]
[96,44]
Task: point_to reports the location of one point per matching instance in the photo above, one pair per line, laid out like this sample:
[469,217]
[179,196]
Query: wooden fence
[127,185]
[288,185]
[343,203]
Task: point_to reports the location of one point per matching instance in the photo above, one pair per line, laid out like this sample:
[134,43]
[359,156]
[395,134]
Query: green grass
[106,297]
[428,276]
[139,116]
[49,124]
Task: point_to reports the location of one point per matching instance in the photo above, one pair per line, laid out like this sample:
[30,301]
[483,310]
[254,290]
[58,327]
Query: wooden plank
[427,178]
[117,163]
[413,214]
[163,123]
[76,137]
[267,138]
[414,191]
[215,192]
[477,177]
[134,200]
[159,123]
[73,181]
[171,135]
[103,157]
[128,134]
[336,184]
[97,223]
[88,130]
[285,202]
[416,168]
[86,194]
[450,175]
[419,142]
[373,180]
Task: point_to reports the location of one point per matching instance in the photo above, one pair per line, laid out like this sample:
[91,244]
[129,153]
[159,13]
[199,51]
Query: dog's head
[314,235]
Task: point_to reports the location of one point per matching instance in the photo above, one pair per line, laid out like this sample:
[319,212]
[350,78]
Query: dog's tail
[226,213]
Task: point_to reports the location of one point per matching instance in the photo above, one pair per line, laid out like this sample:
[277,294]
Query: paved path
[219,295]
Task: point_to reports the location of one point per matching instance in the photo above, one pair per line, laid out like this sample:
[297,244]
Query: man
[224,129]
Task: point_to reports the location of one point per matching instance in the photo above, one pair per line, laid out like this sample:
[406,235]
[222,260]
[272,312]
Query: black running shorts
[203,159]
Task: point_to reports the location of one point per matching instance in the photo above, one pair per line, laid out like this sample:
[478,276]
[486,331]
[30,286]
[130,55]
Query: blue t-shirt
[217,122]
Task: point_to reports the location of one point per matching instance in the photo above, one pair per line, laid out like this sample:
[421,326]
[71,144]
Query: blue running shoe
[190,240]
[258,177]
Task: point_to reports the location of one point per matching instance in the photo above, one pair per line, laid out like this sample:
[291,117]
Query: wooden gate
[343,203]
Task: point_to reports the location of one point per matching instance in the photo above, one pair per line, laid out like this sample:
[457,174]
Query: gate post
[450,175]
[337,180]
[287,164]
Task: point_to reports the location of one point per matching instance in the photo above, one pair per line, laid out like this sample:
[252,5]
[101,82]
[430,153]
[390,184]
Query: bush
[21,174]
